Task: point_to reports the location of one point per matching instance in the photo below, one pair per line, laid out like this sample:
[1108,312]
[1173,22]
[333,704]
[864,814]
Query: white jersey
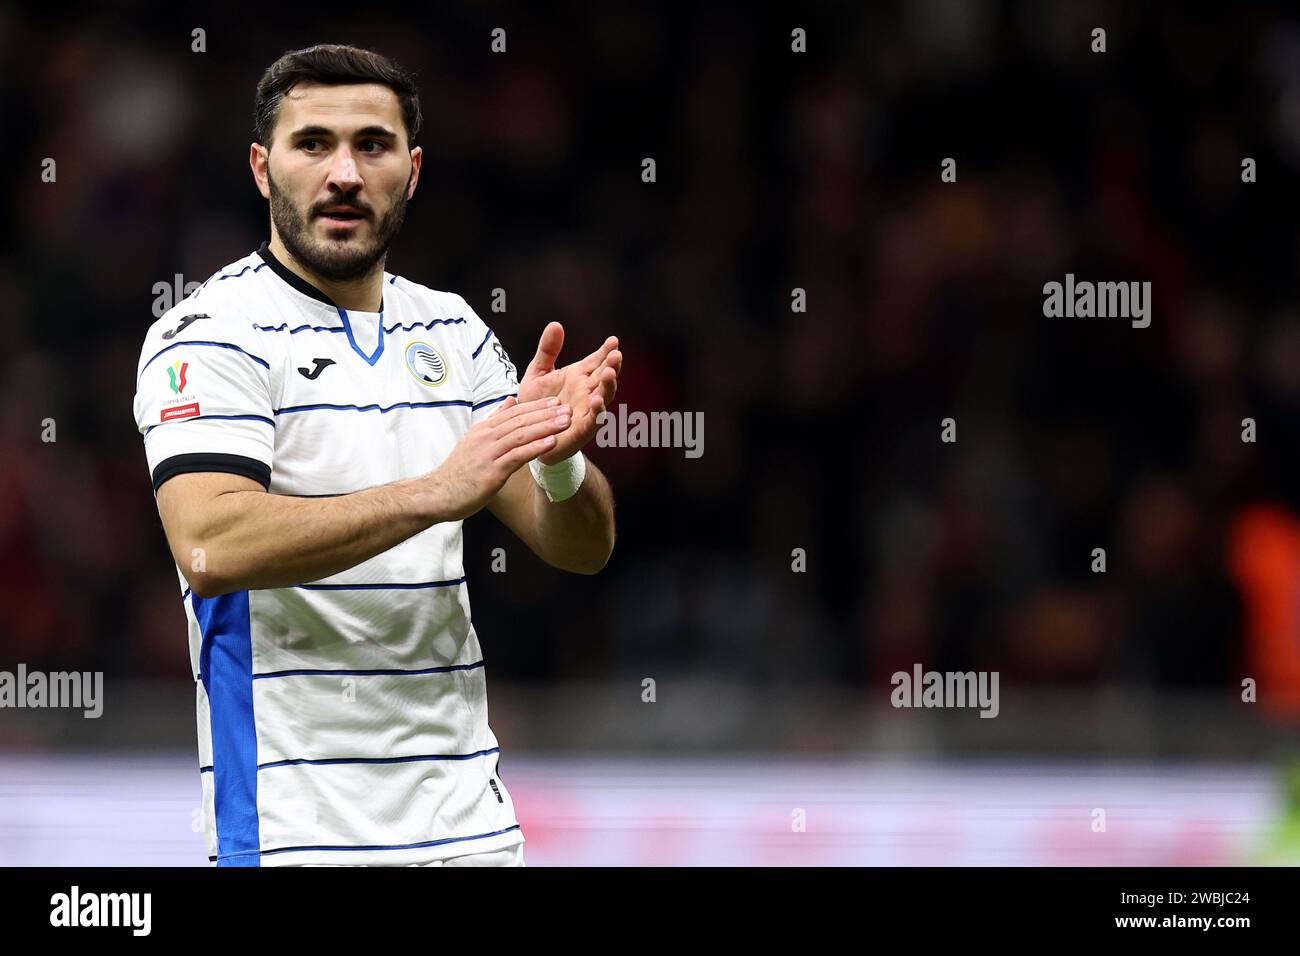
[342,720]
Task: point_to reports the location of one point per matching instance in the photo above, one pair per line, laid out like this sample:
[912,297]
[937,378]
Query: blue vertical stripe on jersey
[226,663]
[379,349]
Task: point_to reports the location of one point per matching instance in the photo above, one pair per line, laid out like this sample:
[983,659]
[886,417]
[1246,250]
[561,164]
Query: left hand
[586,386]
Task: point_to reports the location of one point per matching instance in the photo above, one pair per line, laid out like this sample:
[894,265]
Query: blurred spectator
[776,171]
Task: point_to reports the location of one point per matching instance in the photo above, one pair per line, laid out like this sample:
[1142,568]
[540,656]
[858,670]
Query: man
[317,429]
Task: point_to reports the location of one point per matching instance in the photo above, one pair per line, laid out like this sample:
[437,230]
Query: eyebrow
[378,131]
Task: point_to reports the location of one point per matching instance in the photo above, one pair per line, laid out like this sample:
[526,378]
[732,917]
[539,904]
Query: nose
[343,173]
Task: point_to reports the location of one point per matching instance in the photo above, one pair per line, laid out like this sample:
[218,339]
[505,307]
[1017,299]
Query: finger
[548,350]
[613,362]
[512,407]
[509,402]
[603,380]
[515,458]
[558,412]
[596,358]
[608,385]
[526,436]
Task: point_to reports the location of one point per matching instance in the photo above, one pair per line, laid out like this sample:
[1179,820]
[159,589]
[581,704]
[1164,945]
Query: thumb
[548,350]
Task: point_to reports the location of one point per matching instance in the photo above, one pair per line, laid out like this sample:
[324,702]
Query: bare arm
[249,539]
[576,534]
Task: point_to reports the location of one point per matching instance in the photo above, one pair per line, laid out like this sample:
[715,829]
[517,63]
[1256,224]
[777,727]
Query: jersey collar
[297,281]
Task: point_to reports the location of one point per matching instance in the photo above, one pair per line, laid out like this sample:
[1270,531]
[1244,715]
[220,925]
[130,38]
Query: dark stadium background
[775,170]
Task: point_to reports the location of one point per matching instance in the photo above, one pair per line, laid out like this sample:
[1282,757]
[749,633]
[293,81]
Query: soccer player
[317,429]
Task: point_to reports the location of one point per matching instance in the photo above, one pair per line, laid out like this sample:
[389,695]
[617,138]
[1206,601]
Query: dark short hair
[333,64]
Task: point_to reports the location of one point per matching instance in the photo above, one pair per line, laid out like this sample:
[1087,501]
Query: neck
[362,295]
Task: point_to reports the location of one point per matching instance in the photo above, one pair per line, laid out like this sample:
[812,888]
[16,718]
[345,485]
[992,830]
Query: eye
[378,144]
[304,144]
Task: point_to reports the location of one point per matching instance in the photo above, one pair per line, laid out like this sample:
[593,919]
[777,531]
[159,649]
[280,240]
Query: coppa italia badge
[176,372]
[180,406]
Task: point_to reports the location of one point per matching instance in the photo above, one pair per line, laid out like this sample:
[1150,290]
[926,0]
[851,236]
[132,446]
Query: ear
[417,160]
[259,159]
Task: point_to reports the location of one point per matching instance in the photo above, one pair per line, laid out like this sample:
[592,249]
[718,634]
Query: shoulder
[208,320]
[217,315]
[440,308]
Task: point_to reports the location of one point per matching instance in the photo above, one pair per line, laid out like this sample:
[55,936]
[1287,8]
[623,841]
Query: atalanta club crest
[426,364]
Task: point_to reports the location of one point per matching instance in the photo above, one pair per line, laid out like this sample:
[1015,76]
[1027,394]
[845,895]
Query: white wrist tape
[561,480]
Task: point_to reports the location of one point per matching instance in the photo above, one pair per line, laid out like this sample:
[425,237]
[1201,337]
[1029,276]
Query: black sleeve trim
[210,461]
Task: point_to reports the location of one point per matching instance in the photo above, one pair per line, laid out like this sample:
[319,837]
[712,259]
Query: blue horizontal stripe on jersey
[327,406]
[236,275]
[391,846]
[492,401]
[387,586]
[329,761]
[196,418]
[220,345]
[302,328]
[284,327]
[374,672]
[481,344]
[326,761]
[233,275]
[424,325]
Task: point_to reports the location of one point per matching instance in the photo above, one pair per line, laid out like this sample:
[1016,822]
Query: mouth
[342,218]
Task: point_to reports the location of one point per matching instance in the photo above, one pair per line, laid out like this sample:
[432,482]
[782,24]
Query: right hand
[493,450]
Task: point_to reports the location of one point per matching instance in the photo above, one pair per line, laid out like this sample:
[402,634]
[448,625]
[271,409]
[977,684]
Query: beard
[341,261]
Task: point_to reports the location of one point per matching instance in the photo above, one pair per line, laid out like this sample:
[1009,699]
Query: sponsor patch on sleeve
[179,411]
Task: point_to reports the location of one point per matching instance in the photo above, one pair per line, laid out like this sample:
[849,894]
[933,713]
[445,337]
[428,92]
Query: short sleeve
[494,375]
[203,399]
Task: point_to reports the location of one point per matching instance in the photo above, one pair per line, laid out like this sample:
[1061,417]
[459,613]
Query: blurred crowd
[776,171]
